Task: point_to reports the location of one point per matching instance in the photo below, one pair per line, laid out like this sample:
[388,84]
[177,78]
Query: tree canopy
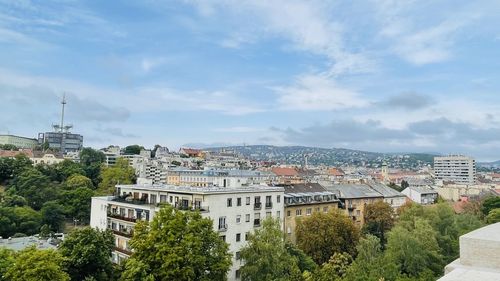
[379,218]
[32,264]
[120,173]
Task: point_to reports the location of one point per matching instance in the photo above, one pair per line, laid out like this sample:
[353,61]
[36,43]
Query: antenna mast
[63,102]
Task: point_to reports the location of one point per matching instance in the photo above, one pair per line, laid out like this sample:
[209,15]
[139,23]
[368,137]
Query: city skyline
[381,76]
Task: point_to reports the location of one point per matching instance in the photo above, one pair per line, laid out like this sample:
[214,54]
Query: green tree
[266,256]
[493,216]
[37,265]
[335,269]
[415,251]
[77,180]
[489,204]
[323,234]
[379,218]
[305,262]
[6,169]
[77,203]
[19,220]
[185,248]
[87,253]
[6,261]
[136,271]
[120,173]
[53,215]
[21,163]
[371,264]
[35,187]
[91,161]
[68,168]
[133,149]
[14,201]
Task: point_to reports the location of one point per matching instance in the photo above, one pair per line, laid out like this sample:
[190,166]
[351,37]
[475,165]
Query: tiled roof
[281,171]
[337,172]
[304,187]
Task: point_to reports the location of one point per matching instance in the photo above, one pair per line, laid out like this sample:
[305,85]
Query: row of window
[298,212]
[256,201]
[223,220]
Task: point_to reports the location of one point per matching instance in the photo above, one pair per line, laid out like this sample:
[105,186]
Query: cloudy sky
[377,75]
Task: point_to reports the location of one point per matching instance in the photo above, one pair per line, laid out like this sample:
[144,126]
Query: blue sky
[375,75]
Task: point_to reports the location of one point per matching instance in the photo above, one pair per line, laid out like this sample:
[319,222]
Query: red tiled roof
[336,172]
[12,153]
[279,171]
[190,151]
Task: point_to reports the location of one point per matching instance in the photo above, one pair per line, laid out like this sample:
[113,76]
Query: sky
[375,75]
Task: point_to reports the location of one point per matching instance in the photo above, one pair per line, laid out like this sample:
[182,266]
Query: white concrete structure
[18,141]
[421,195]
[455,168]
[479,256]
[234,211]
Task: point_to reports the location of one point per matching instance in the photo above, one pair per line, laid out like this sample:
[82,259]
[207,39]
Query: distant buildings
[455,168]
[421,194]
[235,212]
[18,141]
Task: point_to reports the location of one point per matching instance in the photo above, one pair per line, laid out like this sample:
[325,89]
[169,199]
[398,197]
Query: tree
[371,264]
[19,220]
[87,253]
[76,181]
[53,215]
[120,173]
[323,234]
[493,216]
[404,185]
[185,248]
[77,203]
[35,187]
[6,261]
[266,256]
[490,203]
[91,161]
[14,201]
[305,262]
[379,218]
[335,268]
[68,168]
[37,265]
[133,149]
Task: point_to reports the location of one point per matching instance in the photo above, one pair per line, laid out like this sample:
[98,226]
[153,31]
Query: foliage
[6,261]
[37,265]
[53,215]
[176,163]
[185,247]
[8,147]
[490,203]
[11,167]
[335,269]
[14,201]
[266,256]
[305,262]
[91,161]
[133,149]
[77,181]
[77,203]
[120,173]
[379,218]
[35,187]
[136,270]
[493,216]
[323,234]
[87,253]
[19,220]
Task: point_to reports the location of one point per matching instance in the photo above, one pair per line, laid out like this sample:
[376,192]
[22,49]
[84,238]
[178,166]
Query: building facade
[455,168]
[62,141]
[235,212]
[19,142]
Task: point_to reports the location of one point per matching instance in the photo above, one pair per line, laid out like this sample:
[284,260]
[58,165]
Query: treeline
[42,198]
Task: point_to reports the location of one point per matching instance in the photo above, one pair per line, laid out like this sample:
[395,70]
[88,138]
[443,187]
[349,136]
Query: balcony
[123,233]
[257,206]
[191,208]
[132,201]
[123,251]
[269,205]
[222,227]
[120,217]
[256,222]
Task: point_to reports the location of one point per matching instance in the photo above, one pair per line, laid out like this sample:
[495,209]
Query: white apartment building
[235,212]
[455,168]
[218,177]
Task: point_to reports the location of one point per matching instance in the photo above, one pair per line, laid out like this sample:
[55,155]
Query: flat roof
[203,190]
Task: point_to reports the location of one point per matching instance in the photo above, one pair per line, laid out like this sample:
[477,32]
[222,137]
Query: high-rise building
[455,168]
[61,138]
[235,212]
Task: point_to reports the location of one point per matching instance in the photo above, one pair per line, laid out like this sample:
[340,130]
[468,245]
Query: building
[48,158]
[191,152]
[455,168]
[216,177]
[421,194]
[19,142]
[479,258]
[391,196]
[235,212]
[287,175]
[302,200]
[354,198]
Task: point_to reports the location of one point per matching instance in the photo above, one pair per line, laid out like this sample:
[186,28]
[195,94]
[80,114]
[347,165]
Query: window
[238,201]
[237,255]
[269,203]
[325,209]
[358,213]
[278,214]
[268,214]
[317,209]
[163,198]
[248,200]
[223,237]
[247,217]
[229,202]
[278,198]
[288,213]
[152,199]
[238,218]
[246,235]
[222,223]
[308,211]
[238,274]
[298,212]
[238,237]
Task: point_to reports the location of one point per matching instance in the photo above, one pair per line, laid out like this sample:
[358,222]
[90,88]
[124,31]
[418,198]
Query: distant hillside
[328,156]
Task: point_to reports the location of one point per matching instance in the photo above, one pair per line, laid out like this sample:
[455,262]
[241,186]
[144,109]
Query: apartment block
[19,142]
[455,168]
[235,212]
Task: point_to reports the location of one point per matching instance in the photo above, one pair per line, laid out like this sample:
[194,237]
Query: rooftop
[203,190]
[353,191]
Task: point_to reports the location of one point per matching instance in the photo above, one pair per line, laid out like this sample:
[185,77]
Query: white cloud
[316,92]
[148,64]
